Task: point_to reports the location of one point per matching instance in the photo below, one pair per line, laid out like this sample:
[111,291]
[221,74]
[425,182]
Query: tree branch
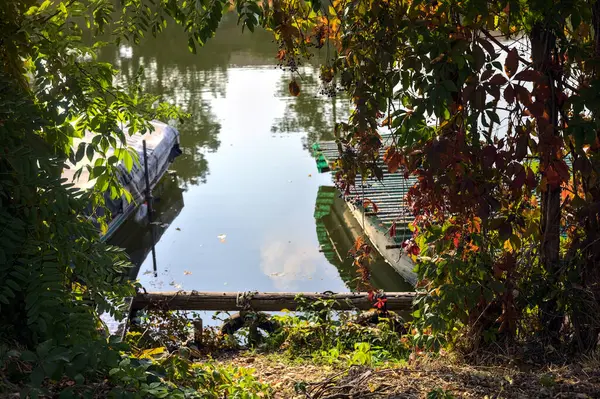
[523,60]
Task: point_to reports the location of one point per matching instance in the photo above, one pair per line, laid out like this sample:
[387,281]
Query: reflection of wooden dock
[337,231]
[389,197]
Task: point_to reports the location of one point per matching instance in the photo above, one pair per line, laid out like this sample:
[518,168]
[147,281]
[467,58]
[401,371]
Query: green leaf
[127,160]
[79,379]
[43,349]
[493,116]
[37,376]
[80,152]
[450,85]
[28,356]
[89,151]
[478,57]
[191,45]
[67,393]
[12,285]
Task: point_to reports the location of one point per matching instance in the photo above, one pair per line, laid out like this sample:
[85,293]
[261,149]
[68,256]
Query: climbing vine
[492,106]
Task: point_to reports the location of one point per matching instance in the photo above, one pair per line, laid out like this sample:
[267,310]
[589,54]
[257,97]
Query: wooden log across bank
[263,301]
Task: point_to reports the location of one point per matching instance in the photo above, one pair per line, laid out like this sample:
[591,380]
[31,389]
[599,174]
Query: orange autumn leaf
[294,88]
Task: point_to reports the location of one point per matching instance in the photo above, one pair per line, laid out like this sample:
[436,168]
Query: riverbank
[422,378]
[315,355]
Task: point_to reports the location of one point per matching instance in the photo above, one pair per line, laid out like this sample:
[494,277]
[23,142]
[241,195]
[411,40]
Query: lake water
[237,212]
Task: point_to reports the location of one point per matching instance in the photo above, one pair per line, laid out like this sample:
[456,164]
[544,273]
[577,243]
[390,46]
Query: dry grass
[581,380]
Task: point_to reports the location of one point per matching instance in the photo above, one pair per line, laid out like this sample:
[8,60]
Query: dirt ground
[429,379]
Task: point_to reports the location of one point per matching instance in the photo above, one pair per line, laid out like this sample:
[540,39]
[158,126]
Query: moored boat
[162,147]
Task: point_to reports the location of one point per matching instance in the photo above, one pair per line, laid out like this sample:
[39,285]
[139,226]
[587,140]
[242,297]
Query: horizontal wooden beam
[263,301]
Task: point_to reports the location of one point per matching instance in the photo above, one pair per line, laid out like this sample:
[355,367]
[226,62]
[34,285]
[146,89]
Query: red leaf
[468,91]
[456,240]
[583,165]
[562,169]
[536,109]
[487,74]
[512,62]
[519,180]
[531,182]
[411,247]
[393,230]
[489,156]
[480,98]
[529,75]
[497,80]
[552,177]
[494,91]
[489,47]
[478,57]
[368,202]
[521,150]
[507,263]
[497,271]
[523,95]
[380,304]
[509,94]
[392,159]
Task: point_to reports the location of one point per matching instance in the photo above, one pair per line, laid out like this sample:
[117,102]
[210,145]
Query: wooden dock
[389,194]
[391,209]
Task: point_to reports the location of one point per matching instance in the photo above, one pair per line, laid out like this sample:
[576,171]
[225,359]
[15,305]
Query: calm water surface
[237,213]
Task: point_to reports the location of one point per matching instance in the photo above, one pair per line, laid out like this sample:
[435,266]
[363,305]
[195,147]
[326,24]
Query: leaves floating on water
[147,272]
[187,272]
[222,237]
[277,274]
[178,229]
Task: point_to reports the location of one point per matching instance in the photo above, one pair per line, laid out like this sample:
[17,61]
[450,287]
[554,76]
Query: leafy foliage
[57,275]
[492,107]
[73,372]
[324,335]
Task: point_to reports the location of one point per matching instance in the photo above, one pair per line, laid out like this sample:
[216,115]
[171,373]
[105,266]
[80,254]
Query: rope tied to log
[242,299]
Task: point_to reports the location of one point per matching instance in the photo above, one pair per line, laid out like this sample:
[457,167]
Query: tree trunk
[586,315]
[542,44]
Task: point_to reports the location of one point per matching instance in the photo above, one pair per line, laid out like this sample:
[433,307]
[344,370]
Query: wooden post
[197,332]
[265,301]
[149,205]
